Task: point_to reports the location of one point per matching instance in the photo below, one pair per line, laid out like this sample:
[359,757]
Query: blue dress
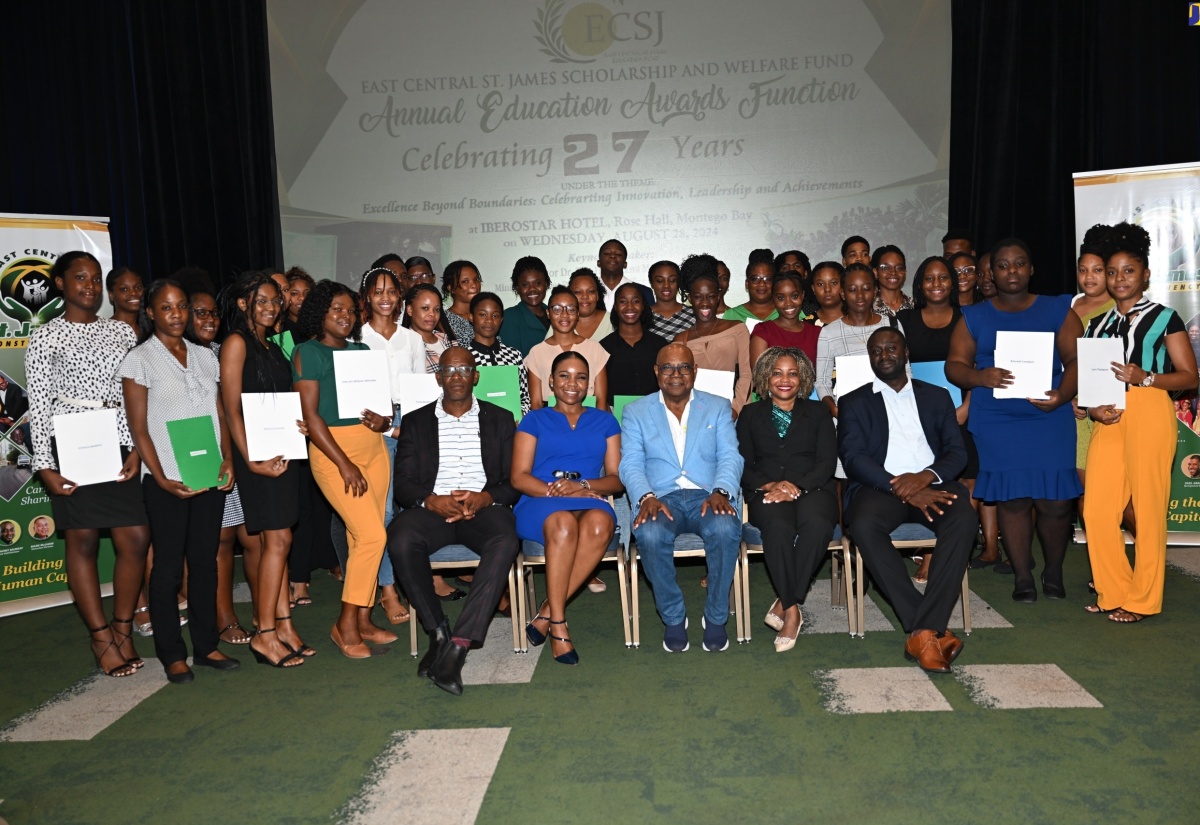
[560,448]
[1023,452]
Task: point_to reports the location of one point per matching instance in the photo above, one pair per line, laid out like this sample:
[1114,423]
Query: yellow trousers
[1131,457]
[363,515]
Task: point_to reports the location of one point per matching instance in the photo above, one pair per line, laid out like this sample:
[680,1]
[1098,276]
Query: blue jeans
[722,536]
[386,576]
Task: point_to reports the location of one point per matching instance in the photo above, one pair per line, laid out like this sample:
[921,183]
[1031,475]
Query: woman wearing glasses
[564,314]
[890,270]
[760,275]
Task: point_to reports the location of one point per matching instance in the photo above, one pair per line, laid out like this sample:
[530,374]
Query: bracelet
[643,498]
[584,483]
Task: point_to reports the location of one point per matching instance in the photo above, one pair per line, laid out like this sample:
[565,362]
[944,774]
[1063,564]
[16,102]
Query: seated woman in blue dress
[565,461]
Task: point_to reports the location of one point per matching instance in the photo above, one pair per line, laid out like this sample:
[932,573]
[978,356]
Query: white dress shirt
[908,449]
[679,436]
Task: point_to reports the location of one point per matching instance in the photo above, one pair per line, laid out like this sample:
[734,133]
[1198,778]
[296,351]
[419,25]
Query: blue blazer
[710,454]
[863,436]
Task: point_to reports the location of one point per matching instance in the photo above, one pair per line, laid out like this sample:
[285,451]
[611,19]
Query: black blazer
[863,436]
[806,455]
[417,455]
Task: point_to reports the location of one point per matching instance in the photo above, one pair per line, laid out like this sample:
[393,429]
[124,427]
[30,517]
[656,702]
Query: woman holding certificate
[270,492]
[170,388]
[72,364]
[347,456]
[1040,475]
[1132,449]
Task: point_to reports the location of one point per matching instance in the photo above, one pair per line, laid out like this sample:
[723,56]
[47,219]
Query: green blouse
[316,364]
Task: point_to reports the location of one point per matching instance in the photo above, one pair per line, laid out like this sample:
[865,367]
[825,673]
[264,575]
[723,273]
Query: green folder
[194,442]
[618,405]
[502,387]
[590,401]
[285,342]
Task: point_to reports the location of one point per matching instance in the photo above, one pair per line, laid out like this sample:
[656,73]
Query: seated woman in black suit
[790,449]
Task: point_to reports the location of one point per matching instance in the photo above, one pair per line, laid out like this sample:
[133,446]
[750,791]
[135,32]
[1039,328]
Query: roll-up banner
[1165,200]
[32,570]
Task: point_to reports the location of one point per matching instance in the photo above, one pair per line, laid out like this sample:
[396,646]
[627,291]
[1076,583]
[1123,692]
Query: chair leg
[522,609]
[514,609]
[412,629]
[846,588]
[966,605]
[744,563]
[623,583]
[859,594]
[836,595]
[635,623]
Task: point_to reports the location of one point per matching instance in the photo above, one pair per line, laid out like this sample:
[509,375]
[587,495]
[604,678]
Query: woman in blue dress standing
[1026,445]
[565,461]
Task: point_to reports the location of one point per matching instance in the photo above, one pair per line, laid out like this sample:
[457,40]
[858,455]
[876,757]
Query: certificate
[1029,356]
[418,389]
[501,385]
[361,378]
[89,451]
[194,443]
[270,419]
[850,373]
[717,382]
[1098,385]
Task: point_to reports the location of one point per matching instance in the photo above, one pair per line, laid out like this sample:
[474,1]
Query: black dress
[631,368]
[268,503]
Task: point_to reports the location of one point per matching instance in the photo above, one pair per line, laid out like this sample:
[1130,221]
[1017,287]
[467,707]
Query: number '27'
[584,147]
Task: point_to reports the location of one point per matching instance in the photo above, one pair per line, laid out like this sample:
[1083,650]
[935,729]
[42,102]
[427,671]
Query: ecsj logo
[26,292]
[1194,14]
[586,30]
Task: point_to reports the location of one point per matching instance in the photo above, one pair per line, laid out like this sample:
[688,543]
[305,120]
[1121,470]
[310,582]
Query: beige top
[542,356]
[602,329]
[730,351]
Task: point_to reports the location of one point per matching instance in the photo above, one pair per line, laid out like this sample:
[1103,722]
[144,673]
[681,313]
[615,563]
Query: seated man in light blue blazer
[680,463]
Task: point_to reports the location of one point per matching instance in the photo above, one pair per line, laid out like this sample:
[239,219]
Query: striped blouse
[1144,330]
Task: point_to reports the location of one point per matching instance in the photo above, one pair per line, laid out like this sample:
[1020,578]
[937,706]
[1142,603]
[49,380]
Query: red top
[805,340]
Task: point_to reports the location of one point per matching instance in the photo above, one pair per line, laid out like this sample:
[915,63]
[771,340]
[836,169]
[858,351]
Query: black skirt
[100,506]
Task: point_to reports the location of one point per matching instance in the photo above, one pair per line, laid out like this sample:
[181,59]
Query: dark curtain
[1041,90]
[157,115]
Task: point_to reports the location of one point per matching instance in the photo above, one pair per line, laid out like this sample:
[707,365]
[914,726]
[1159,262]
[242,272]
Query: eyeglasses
[898,269]
[268,302]
[560,309]
[672,369]
[761,279]
[204,314]
[965,270]
[455,369]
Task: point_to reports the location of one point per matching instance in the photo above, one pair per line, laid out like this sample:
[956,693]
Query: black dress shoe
[1053,591]
[1027,595]
[227,663]
[182,678]
[454,595]
[446,672]
[439,638]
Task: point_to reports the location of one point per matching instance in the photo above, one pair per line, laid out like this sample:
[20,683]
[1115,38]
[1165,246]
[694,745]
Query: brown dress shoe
[923,648]
[951,646]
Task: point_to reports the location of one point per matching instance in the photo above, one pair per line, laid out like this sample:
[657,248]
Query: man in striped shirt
[453,461]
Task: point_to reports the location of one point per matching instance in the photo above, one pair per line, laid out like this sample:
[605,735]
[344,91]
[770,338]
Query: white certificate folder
[89,451]
[1098,384]
[362,381]
[1029,356]
[270,419]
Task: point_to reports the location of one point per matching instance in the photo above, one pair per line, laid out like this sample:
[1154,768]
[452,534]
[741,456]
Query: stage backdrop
[1165,200]
[490,131]
[32,573]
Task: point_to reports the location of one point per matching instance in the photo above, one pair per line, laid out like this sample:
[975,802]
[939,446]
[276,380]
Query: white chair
[907,536]
[841,590]
[459,556]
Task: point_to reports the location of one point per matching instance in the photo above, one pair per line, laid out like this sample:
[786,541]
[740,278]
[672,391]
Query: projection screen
[487,131]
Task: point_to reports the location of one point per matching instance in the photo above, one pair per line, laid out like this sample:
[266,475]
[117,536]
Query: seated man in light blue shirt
[902,452]
[680,464]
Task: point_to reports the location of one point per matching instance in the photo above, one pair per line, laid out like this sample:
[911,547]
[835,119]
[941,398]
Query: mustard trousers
[1131,457]
[365,533]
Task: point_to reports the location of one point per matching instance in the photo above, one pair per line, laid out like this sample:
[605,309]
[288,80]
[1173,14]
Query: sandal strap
[283,618]
[122,621]
[145,609]
[98,629]
[262,630]
[559,638]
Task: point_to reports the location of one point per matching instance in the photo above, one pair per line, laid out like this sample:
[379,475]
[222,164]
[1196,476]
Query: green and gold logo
[27,293]
[582,32]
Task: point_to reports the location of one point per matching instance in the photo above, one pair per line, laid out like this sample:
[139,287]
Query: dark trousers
[179,529]
[795,537]
[312,544]
[874,514]
[417,534]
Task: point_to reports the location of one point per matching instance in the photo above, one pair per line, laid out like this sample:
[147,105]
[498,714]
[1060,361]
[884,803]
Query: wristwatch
[723,491]
[1148,381]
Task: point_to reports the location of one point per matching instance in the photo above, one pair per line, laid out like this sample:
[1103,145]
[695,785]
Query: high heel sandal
[571,657]
[144,628]
[119,671]
[305,651]
[263,659]
[536,637]
[393,608]
[136,661]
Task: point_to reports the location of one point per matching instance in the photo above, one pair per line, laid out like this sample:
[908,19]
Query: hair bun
[1127,237]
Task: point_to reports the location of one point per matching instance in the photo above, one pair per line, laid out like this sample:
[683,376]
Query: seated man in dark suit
[902,451]
[453,460]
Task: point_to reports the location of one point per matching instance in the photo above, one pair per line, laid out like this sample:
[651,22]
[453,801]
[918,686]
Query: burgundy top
[805,340]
